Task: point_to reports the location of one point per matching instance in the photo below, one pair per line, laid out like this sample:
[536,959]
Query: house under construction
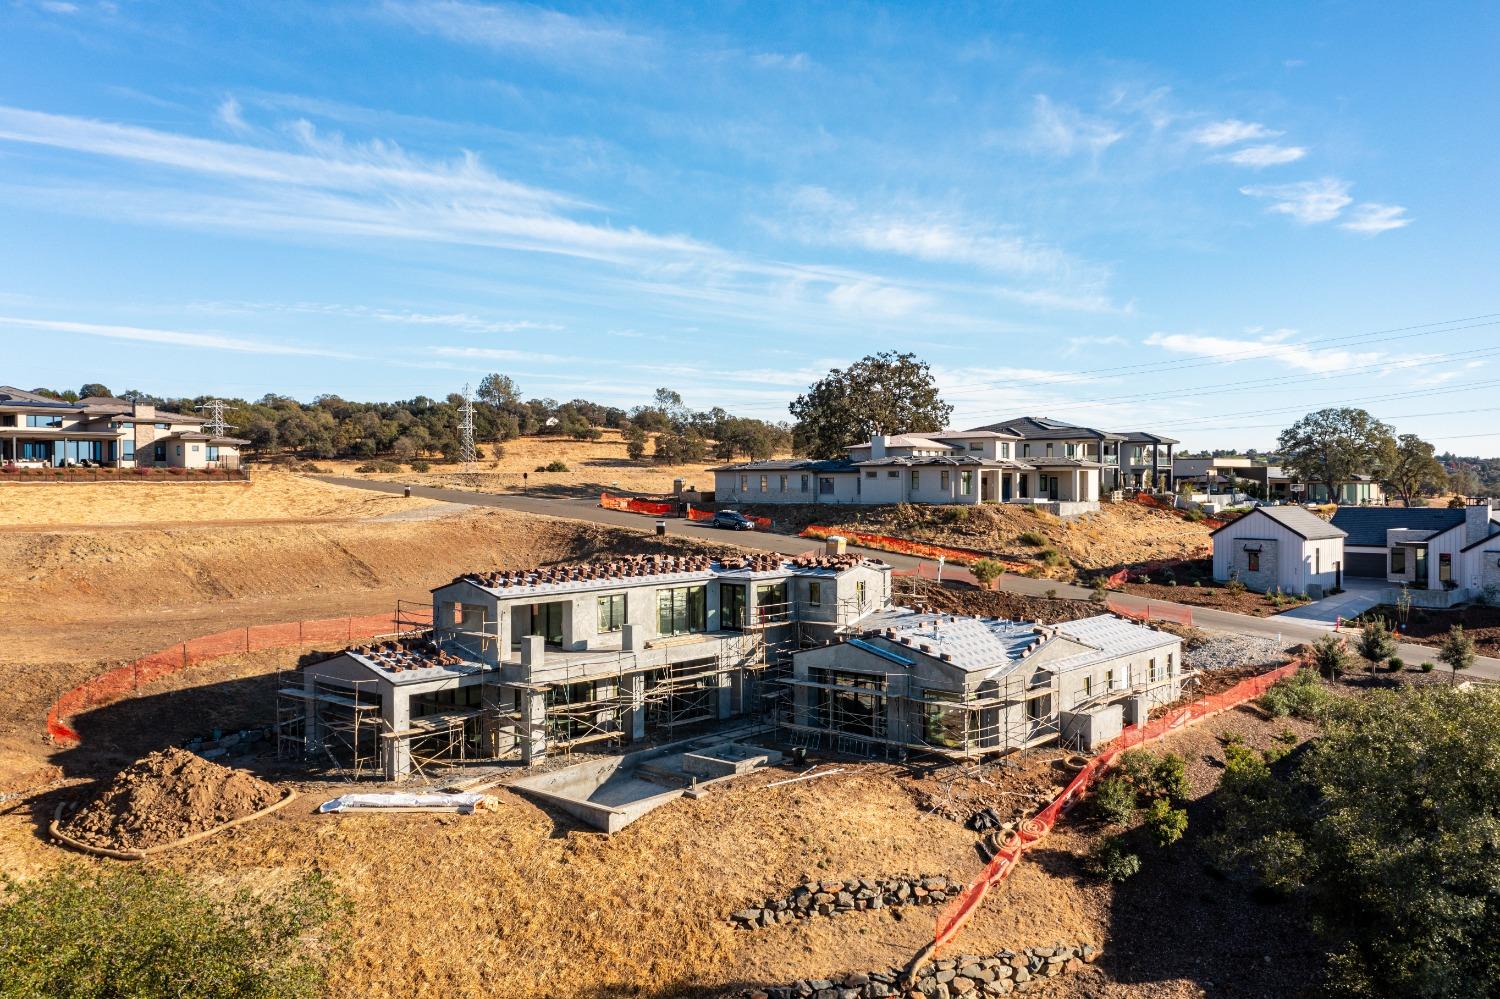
[527,663]
[966,687]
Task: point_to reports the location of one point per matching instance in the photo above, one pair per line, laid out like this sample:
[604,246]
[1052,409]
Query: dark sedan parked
[733,520]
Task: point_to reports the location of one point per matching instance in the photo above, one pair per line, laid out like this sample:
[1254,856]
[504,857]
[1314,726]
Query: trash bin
[408,492]
[661,527]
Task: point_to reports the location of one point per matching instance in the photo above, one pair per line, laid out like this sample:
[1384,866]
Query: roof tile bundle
[399,656]
[642,566]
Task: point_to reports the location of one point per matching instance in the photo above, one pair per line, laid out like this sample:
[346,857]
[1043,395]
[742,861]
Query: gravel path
[1221,650]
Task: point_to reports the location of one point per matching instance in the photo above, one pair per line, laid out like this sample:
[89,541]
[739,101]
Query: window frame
[611,613]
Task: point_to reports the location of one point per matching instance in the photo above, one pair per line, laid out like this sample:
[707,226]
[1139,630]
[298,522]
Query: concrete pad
[1359,596]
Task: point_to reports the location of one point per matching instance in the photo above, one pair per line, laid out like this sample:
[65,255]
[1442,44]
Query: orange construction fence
[631,504]
[1153,611]
[957,913]
[904,546]
[693,513]
[929,570]
[125,681]
[1146,499]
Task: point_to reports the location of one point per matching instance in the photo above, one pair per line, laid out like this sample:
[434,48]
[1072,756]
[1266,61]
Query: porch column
[533,726]
[635,684]
[1077,476]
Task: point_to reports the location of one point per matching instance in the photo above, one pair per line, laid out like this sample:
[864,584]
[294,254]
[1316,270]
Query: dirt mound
[166,796]
[960,599]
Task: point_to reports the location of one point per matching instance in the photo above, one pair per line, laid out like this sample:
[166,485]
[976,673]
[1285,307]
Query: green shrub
[1114,800]
[421,466]
[1112,861]
[1032,538]
[1427,667]
[1395,664]
[986,571]
[1155,776]
[1244,769]
[1052,557]
[1300,695]
[1235,586]
[1051,593]
[1194,514]
[1331,656]
[1164,823]
[553,466]
[144,933]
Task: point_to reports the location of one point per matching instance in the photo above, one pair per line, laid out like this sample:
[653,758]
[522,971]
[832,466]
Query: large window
[966,483]
[943,480]
[127,449]
[944,722]
[547,621]
[815,592]
[804,483]
[612,612]
[1445,567]
[213,453]
[825,485]
[1398,561]
[770,603]
[732,606]
[42,420]
[916,480]
[682,610]
[1252,560]
[844,705]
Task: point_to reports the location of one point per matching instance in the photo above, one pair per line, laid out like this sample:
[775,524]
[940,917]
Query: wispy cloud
[517,28]
[1372,219]
[1062,130]
[172,338]
[1264,156]
[876,299]
[1079,344]
[463,321]
[1307,201]
[1276,346]
[498,354]
[782,60]
[1231,131]
[230,115]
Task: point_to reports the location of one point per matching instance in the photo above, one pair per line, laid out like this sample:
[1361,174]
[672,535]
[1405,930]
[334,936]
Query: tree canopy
[1333,445]
[1390,825]
[885,393]
[1409,468]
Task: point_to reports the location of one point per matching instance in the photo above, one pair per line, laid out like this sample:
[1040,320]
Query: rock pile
[164,797]
[997,975]
[827,898]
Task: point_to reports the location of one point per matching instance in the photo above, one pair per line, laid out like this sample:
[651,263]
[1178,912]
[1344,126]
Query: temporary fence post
[247,638]
[351,629]
[299,634]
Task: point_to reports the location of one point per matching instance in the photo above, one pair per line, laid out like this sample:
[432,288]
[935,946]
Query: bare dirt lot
[1430,627]
[593,467]
[270,496]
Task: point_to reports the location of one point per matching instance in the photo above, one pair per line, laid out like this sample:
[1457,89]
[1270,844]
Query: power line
[1244,385]
[216,425]
[1194,422]
[1250,353]
[466,450]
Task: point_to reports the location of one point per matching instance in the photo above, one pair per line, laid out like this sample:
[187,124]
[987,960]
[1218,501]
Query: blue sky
[1199,219]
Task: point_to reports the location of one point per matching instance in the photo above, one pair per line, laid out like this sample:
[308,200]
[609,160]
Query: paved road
[1279,627]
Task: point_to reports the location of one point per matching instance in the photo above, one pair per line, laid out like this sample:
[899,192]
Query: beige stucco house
[105,432]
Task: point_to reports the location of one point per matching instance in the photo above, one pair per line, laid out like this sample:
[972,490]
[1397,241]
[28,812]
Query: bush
[986,571]
[1112,861]
[95,933]
[1155,776]
[554,466]
[1032,539]
[1164,823]
[1050,593]
[1331,656]
[381,465]
[421,466]
[1052,557]
[1300,695]
[1235,586]
[1427,667]
[1195,515]
[1395,664]
[1114,800]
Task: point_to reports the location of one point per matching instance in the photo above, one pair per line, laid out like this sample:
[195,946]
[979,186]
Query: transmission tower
[466,452]
[216,425]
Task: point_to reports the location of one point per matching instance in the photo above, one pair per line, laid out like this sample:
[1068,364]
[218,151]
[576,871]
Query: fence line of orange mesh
[1152,611]
[632,504]
[125,681]
[929,570]
[957,912]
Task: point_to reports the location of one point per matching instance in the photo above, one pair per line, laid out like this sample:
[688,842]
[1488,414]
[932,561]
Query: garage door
[1365,564]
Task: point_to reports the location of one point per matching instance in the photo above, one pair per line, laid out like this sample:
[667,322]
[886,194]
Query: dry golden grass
[269,496]
[593,467]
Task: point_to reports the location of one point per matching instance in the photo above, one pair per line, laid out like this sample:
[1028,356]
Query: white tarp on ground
[465,804]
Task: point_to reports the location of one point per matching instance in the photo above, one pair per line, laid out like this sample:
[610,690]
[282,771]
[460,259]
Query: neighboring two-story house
[1145,462]
[1030,460]
[105,432]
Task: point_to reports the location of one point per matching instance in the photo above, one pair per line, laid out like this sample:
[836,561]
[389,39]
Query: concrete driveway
[1359,596]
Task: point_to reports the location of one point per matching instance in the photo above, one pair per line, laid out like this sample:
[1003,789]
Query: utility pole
[466,451]
[216,426]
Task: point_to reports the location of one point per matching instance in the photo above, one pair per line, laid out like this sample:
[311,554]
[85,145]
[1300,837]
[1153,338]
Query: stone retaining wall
[827,898]
[973,977]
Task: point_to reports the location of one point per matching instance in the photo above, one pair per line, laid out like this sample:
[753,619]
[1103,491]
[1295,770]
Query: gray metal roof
[1366,525]
[1043,428]
[1301,522]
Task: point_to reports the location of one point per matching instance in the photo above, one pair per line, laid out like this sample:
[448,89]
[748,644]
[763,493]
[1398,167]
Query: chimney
[834,545]
[878,444]
[1476,522]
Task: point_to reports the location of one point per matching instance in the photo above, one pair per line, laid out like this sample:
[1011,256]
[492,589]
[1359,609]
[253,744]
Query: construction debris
[462,803]
[165,797]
